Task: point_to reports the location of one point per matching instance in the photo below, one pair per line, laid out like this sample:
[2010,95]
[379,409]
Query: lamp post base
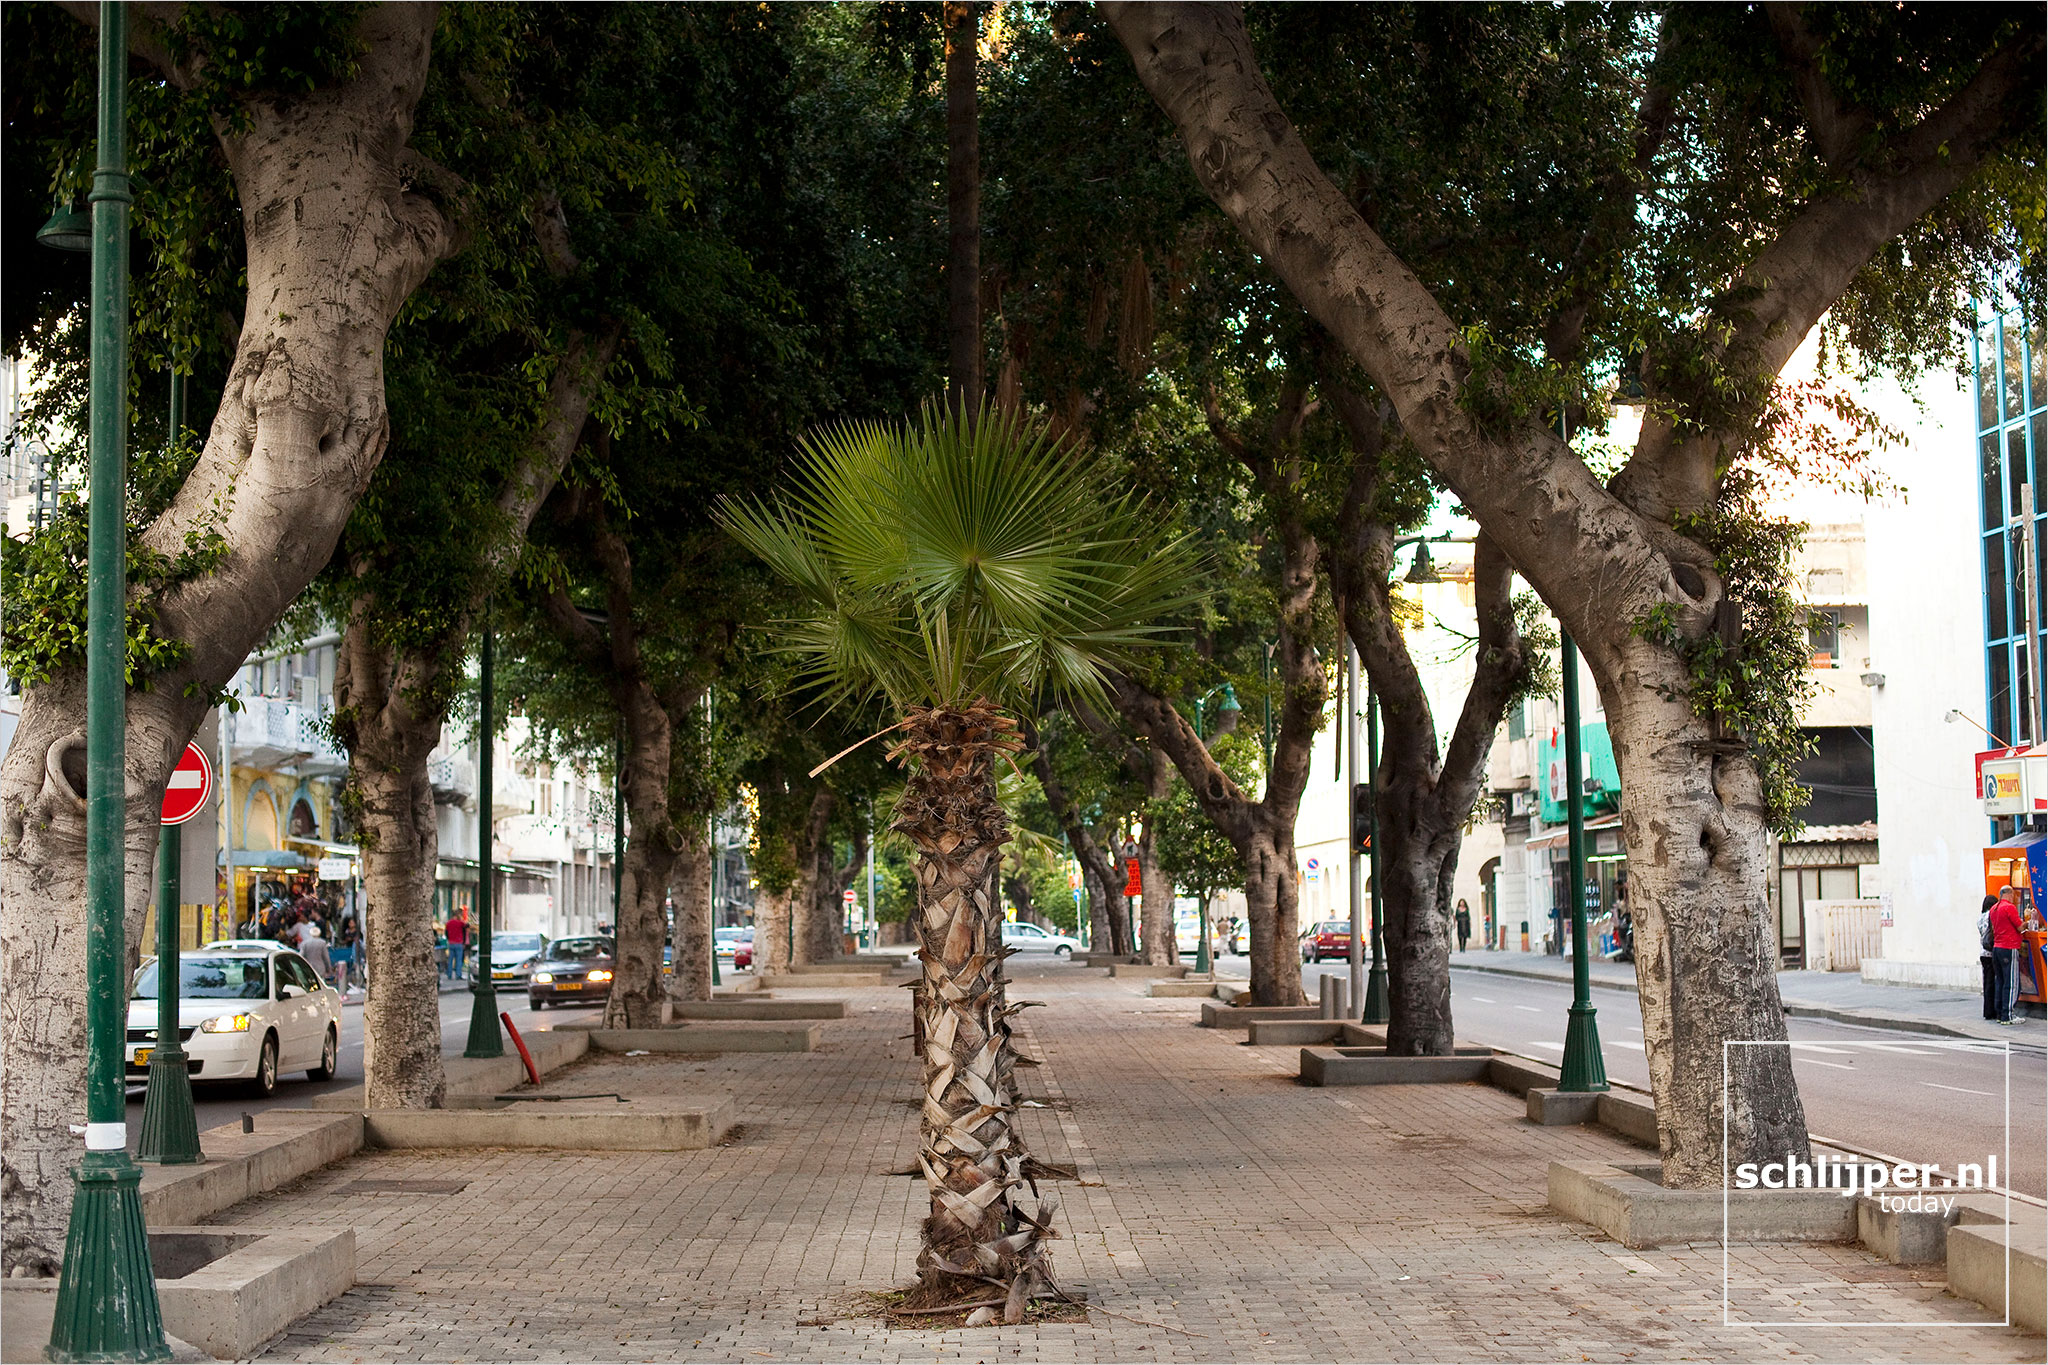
[170,1126]
[1376,1011]
[486,1037]
[107,1306]
[1583,1069]
[1203,964]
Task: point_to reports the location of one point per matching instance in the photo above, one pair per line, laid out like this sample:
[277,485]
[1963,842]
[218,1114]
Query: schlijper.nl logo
[1901,1187]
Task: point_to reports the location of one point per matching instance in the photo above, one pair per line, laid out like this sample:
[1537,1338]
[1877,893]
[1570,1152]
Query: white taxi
[244,1014]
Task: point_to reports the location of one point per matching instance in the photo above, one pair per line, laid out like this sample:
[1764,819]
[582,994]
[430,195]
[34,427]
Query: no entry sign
[191,783]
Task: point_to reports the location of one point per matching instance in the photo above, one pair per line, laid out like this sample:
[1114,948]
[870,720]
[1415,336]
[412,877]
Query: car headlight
[227,1023]
[543,978]
[600,975]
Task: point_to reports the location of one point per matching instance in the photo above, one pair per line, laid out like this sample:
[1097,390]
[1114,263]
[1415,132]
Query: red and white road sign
[851,898]
[191,783]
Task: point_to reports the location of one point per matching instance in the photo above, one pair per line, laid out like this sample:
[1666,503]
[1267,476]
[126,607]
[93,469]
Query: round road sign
[191,783]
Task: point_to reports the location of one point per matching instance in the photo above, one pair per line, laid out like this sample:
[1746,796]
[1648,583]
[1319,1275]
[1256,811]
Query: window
[1823,637]
[1518,721]
[293,970]
[210,978]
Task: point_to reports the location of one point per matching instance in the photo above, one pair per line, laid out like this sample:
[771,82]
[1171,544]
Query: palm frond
[946,560]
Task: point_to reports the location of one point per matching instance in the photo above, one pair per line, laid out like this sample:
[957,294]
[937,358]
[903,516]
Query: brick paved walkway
[1264,1220]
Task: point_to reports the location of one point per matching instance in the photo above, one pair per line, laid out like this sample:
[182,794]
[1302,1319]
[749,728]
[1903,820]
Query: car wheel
[536,1002]
[266,1067]
[1063,952]
[330,1057]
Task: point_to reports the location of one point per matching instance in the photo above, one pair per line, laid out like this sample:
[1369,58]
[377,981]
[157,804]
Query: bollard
[1326,999]
[1343,993]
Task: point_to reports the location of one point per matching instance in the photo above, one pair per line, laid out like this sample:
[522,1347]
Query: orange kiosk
[2015,782]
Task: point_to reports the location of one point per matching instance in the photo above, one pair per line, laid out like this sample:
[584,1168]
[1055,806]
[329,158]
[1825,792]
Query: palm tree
[960,569]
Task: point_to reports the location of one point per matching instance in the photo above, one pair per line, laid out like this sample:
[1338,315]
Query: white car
[1032,939]
[244,1014]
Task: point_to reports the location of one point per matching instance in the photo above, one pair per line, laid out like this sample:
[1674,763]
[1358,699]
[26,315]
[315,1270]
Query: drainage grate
[406,1187]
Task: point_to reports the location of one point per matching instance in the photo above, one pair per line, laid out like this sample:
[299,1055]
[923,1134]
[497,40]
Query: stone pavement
[1223,1210]
[1842,996]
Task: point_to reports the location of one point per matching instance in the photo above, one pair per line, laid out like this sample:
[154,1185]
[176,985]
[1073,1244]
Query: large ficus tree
[1763,168]
[961,569]
[293,220]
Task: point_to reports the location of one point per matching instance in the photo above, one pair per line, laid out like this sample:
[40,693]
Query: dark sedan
[571,969]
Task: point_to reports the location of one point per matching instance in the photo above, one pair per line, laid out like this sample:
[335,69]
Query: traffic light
[1361,818]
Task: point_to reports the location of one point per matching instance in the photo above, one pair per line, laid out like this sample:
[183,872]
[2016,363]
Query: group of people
[1998,936]
[331,942]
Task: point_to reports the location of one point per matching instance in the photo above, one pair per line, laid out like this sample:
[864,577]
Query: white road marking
[1624,1042]
[1960,1089]
[1815,1061]
[1481,1000]
[1817,1047]
[1531,1008]
[1558,1046]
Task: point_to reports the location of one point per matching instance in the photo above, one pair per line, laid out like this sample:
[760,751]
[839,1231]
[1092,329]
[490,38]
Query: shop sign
[335,869]
[2003,784]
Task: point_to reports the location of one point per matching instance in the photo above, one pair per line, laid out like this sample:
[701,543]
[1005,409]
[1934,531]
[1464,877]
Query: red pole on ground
[520,1043]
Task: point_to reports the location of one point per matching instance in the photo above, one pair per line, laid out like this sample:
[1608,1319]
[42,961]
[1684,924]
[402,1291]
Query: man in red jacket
[2005,950]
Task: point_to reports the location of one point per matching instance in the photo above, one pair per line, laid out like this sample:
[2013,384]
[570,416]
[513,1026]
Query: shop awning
[332,850]
[1561,837]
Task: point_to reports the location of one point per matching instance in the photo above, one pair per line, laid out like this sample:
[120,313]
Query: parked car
[725,942]
[266,945]
[1032,939]
[1329,938]
[743,952]
[244,1014]
[512,958]
[572,969]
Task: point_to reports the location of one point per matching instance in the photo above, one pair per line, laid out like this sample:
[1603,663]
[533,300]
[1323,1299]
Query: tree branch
[1837,132]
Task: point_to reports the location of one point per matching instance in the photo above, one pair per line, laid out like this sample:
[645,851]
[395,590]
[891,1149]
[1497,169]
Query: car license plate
[568,985]
[142,1056]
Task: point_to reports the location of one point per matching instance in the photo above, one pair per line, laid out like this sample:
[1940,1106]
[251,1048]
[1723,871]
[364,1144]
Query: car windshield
[579,949]
[728,935]
[210,978]
[503,944]
[1026,930]
[1336,926]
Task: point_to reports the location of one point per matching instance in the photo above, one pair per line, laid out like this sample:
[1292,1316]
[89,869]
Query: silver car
[1032,939]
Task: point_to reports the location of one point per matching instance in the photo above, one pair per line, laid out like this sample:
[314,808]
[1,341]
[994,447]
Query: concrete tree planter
[1372,1066]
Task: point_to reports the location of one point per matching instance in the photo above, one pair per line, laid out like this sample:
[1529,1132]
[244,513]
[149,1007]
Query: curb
[1899,1023]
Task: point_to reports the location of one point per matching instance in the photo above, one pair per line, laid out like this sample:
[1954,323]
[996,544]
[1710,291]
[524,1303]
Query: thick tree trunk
[690,886]
[1706,949]
[1156,904]
[771,929]
[1100,937]
[651,845]
[402,1012]
[982,1227]
[1272,901]
[335,244]
[1417,861]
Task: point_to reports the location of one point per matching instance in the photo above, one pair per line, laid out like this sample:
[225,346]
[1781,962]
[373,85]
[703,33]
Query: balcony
[270,732]
[453,777]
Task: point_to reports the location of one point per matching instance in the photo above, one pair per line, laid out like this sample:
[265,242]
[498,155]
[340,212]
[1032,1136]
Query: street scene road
[1916,1097]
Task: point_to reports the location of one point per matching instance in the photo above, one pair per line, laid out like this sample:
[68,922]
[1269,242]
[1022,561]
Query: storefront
[2014,784]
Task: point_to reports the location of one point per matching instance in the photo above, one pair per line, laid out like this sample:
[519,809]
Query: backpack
[1984,930]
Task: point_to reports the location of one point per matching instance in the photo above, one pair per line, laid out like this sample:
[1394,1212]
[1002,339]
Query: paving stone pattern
[1260,1219]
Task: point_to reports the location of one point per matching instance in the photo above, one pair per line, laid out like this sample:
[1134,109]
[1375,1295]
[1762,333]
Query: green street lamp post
[1583,1068]
[107,1306]
[486,1037]
[170,1125]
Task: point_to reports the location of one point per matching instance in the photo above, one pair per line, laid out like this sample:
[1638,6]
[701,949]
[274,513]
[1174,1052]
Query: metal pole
[2037,701]
[107,1306]
[1357,951]
[717,844]
[1376,1011]
[170,1127]
[1582,1068]
[618,838]
[486,1038]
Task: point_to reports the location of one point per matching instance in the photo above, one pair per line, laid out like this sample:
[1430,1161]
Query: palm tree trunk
[983,1229]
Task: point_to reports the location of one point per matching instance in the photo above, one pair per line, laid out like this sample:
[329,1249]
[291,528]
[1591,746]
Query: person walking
[457,930]
[313,948]
[1986,963]
[343,951]
[2005,950]
[1464,924]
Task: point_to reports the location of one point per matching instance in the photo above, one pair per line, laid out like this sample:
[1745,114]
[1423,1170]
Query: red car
[743,954]
[1331,938]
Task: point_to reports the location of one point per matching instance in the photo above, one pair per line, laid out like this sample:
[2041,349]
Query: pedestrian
[313,948]
[307,927]
[1464,924]
[457,930]
[1986,963]
[343,951]
[2005,950]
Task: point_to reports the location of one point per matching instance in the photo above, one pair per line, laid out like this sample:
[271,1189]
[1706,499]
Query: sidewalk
[1841,996]
[1222,1210]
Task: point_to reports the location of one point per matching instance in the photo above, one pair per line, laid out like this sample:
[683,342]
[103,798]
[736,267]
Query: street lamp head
[1423,570]
[1229,706]
[69,229]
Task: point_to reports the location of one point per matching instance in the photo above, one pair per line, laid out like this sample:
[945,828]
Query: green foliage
[944,561]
